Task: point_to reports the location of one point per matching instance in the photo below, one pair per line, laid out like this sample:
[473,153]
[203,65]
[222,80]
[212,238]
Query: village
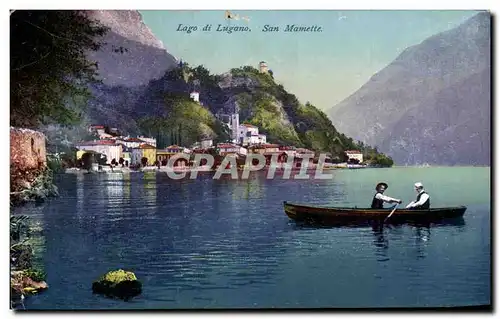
[113,152]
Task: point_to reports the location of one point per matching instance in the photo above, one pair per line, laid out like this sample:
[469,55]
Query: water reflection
[114,187]
[80,194]
[384,234]
[225,243]
[149,184]
[381,242]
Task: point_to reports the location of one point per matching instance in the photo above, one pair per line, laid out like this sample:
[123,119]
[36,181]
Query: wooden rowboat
[344,215]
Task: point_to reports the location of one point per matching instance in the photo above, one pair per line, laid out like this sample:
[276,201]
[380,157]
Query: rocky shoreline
[33,186]
[25,278]
[30,181]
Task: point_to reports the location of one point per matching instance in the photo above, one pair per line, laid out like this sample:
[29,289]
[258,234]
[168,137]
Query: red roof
[174,147]
[272,153]
[352,152]
[304,151]
[248,125]
[146,146]
[97,126]
[200,150]
[134,139]
[271,145]
[266,146]
[225,145]
[99,142]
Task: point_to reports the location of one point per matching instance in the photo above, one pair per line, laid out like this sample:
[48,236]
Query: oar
[391,212]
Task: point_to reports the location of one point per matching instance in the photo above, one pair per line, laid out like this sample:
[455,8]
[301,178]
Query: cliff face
[128,24]
[430,105]
[131,55]
[130,58]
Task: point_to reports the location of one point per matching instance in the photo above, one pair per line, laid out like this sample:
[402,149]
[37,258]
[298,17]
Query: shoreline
[166,169]
[180,169]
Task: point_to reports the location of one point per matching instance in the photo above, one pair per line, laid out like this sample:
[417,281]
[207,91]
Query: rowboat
[345,215]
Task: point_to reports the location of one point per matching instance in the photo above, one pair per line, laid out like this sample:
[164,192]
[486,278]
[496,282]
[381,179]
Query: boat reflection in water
[413,236]
[421,233]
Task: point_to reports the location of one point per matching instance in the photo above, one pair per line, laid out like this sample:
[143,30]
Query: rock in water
[118,283]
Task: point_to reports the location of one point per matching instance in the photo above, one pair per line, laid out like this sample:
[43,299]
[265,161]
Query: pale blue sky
[324,67]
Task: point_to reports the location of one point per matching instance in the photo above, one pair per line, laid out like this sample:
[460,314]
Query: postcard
[266,159]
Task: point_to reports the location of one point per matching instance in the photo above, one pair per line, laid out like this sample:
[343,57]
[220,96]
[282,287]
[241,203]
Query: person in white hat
[423,199]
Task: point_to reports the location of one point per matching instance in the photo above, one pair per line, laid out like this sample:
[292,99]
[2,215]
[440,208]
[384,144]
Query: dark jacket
[425,205]
[377,203]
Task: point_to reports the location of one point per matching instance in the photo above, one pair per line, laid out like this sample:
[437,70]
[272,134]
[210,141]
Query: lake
[225,243]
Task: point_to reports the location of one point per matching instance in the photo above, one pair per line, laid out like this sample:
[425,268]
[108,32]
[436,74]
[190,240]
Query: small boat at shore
[345,215]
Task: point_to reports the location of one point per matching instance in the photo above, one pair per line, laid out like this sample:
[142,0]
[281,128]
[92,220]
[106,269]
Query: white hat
[419,185]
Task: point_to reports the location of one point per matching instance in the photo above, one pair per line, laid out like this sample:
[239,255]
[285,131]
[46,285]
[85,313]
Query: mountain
[144,90]
[131,55]
[257,98]
[431,104]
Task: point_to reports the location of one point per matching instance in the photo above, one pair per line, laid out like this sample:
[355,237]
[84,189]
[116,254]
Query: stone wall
[28,158]
[27,149]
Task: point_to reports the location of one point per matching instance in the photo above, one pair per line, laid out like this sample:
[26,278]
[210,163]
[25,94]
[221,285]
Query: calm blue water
[228,244]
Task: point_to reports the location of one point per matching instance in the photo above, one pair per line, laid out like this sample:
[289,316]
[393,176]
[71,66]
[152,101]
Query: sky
[320,67]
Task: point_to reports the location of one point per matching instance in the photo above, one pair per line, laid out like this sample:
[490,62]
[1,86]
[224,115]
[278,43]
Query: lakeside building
[131,142]
[163,156]
[143,151]
[109,148]
[148,140]
[248,134]
[229,148]
[354,155]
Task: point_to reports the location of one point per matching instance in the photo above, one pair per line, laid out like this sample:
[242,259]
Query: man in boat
[423,199]
[379,199]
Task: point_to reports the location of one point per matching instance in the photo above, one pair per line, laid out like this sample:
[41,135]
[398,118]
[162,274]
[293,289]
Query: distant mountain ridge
[144,90]
[431,104]
[130,55]
[128,24]
[130,58]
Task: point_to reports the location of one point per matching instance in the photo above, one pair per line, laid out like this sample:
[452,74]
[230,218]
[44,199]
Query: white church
[242,134]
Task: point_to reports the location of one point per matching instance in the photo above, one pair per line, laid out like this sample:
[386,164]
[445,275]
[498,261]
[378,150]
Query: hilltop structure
[263,67]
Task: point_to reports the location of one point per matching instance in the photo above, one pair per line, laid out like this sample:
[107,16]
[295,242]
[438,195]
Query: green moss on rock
[118,283]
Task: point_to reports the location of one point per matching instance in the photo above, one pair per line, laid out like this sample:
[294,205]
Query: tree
[121,161]
[144,161]
[222,132]
[87,160]
[49,71]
